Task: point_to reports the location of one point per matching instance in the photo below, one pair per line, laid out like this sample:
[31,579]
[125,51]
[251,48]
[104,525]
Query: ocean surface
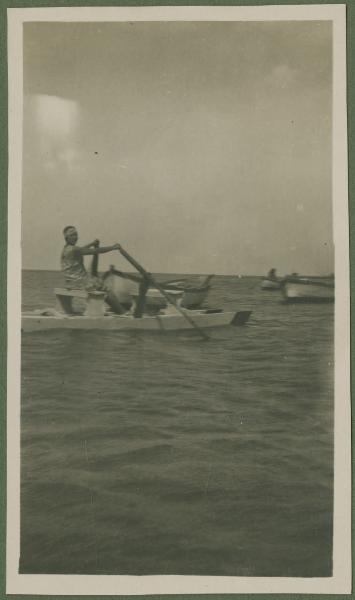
[161,453]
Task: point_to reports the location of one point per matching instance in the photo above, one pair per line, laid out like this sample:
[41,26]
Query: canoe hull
[121,291]
[194,298]
[169,322]
[308,291]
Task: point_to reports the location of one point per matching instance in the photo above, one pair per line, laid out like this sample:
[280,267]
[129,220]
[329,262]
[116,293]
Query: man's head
[70,234]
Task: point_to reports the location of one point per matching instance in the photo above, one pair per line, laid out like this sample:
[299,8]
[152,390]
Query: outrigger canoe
[96,315]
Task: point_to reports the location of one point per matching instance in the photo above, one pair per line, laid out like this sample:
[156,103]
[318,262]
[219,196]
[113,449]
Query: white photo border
[340,582]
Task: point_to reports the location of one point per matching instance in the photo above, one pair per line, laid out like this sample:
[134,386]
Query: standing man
[72,260]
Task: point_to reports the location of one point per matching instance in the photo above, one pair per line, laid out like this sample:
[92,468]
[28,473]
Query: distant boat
[271,282]
[308,289]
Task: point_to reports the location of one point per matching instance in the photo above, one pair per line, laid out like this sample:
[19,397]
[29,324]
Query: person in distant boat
[72,260]
[272,275]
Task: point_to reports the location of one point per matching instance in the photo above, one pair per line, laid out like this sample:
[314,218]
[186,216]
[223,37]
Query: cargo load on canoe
[122,289]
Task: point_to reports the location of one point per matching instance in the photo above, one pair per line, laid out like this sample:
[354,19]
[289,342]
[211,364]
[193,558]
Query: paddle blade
[241,317]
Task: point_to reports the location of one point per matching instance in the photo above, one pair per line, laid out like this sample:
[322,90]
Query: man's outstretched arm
[89,250]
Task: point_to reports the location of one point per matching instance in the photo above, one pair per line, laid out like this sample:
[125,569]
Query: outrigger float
[167,321]
[97,316]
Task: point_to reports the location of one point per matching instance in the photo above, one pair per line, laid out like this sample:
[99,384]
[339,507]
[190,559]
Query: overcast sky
[200,147]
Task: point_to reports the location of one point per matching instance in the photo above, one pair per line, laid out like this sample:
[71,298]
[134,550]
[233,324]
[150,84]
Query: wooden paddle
[151,280]
[95,261]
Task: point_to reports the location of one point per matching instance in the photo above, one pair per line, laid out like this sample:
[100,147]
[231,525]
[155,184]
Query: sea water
[147,453]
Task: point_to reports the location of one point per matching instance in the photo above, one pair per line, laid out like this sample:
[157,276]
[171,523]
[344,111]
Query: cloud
[56,124]
[55,116]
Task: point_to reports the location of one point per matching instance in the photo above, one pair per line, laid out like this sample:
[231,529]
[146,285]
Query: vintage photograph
[179,273]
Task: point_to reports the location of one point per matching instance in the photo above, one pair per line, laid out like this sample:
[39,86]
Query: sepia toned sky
[200,147]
